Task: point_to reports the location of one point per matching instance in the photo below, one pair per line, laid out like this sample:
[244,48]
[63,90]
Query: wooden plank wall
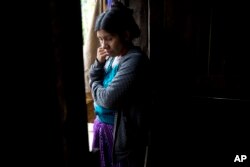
[140,8]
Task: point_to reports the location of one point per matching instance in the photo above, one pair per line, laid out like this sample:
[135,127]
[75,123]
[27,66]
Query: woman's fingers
[101,54]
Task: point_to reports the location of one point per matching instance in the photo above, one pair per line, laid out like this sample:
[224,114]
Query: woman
[120,88]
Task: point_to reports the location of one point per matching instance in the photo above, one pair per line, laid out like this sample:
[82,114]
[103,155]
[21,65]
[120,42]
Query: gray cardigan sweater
[129,93]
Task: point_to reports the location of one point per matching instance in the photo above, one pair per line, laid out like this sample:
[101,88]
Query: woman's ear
[127,36]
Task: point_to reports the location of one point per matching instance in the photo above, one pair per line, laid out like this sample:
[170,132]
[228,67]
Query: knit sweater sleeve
[121,84]
[96,72]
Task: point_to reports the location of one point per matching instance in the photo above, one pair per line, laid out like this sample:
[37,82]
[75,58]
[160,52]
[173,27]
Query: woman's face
[111,42]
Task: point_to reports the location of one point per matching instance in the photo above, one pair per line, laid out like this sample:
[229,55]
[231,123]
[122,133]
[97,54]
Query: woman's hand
[101,54]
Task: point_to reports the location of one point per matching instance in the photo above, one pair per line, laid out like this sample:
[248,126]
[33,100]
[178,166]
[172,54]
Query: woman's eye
[109,39]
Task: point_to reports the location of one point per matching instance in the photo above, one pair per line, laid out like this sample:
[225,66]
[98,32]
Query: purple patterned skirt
[103,140]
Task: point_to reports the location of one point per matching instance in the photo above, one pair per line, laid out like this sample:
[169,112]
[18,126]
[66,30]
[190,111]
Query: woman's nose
[104,45]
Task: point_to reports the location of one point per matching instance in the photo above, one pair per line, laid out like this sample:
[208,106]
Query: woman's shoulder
[135,53]
[134,58]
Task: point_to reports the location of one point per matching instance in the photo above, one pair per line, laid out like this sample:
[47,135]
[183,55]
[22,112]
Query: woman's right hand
[101,54]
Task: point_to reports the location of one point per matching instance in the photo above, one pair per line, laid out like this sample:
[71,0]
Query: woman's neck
[126,49]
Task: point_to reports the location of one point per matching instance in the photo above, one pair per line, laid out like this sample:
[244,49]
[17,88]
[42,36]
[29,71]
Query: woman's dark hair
[118,19]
